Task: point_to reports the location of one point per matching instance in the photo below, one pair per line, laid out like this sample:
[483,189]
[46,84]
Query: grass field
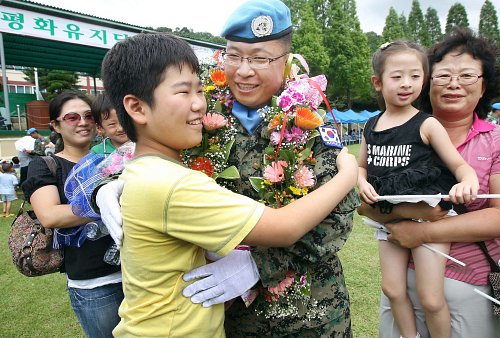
[39,306]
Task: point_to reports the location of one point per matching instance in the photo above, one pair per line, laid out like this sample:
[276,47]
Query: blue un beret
[257,21]
[496,106]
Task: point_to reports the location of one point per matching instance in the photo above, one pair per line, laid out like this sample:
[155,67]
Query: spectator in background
[40,143]
[24,157]
[495,112]
[16,166]
[8,182]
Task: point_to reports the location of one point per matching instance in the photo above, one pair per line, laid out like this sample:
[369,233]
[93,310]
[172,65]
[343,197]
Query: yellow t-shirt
[170,214]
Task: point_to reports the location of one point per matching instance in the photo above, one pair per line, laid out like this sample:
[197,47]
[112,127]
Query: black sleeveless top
[87,261]
[400,163]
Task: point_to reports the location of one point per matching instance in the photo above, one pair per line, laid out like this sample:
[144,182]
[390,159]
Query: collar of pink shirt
[478,126]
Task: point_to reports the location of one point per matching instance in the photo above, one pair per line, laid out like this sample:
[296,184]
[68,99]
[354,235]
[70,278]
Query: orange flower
[276,121]
[219,78]
[307,119]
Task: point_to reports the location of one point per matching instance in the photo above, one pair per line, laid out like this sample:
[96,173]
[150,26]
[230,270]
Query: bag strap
[494,266]
[51,163]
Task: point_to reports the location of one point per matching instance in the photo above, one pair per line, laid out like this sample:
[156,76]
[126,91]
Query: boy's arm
[284,226]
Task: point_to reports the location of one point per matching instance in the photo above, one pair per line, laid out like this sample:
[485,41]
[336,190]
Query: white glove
[107,199]
[225,279]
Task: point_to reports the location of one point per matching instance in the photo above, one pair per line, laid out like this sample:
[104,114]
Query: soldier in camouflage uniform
[40,143]
[315,253]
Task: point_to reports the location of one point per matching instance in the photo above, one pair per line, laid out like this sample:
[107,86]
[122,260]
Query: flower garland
[288,175]
[289,159]
[211,155]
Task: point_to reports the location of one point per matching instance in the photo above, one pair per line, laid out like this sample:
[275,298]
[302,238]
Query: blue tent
[350,116]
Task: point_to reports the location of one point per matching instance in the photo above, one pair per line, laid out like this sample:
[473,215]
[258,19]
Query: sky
[209,16]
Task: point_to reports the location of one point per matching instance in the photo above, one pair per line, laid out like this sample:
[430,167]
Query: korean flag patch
[330,136]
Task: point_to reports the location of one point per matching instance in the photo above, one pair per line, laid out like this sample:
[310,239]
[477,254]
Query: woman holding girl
[94,286]
[463,82]
[405,152]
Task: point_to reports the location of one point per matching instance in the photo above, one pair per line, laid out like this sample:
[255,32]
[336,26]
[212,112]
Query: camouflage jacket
[39,147]
[315,253]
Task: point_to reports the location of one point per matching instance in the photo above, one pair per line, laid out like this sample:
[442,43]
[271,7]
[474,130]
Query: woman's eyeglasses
[465,79]
[74,118]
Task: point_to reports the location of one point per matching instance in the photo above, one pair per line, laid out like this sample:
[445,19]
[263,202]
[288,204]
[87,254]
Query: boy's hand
[464,191]
[107,199]
[346,161]
[366,192]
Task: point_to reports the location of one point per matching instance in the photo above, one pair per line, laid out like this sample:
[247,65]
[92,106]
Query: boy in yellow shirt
[172,214]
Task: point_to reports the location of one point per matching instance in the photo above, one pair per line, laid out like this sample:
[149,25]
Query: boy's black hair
[137,66]
[15,160]
[101,108]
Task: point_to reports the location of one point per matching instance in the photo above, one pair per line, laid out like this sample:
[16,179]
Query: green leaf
[230,173]
[256,183]
[227,149]
[269,151]
[287,155]
[218,106]
[305,153]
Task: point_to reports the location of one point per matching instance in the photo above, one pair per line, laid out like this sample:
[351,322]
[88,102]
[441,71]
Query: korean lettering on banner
[99,34]
[16,20]
[73,31]
[47,25]
[19,21]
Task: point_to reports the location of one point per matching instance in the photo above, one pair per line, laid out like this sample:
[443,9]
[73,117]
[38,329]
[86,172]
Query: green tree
[433,25]
[374,41]
[349,53]
[392,29]
[53,81]
[417,27]
[488,22]
[457,16]
[404,25]
[308,41]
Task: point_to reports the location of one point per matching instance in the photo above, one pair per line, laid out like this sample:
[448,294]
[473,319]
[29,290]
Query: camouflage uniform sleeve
[326,239]
[39,147]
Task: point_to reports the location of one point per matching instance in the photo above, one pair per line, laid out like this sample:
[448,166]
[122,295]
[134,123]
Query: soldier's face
[255,87]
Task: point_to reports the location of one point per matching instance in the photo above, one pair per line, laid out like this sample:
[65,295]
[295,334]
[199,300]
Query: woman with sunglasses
[94,286]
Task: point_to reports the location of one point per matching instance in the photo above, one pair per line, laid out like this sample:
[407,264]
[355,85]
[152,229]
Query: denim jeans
[97,309]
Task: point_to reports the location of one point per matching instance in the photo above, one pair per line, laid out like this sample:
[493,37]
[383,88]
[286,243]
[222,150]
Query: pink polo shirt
[481,150]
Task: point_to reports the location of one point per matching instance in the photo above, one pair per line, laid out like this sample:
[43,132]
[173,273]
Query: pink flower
[296,133]
[212,121]
[274,172]
[275,137]
[303,280]
[304,177]
[284,284]
[285,101]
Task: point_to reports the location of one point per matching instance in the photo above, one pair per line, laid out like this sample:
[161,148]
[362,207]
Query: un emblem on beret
[262,26]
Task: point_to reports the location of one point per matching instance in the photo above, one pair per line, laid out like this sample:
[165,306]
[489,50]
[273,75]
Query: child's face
[402,80]
[174,123]
[113,129]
